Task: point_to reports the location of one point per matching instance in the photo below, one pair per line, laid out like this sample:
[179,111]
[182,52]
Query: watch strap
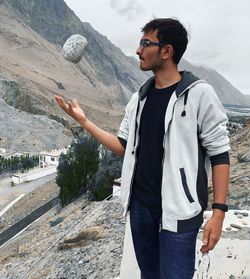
[221,206]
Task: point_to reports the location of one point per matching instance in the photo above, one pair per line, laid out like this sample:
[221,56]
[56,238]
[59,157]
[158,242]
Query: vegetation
[77,168]
[109,169]
[87,167]
[18,163]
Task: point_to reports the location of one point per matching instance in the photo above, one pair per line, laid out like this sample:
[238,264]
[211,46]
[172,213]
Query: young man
[173,129]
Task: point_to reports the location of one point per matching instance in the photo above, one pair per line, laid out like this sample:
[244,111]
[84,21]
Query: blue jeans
[161,254]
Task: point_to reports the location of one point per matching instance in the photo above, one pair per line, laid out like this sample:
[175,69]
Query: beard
[154,66]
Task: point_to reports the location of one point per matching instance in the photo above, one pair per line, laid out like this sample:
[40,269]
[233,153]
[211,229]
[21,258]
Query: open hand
[72,108]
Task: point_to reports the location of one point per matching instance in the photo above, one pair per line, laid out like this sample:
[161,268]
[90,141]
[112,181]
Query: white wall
[116,191]
[129,266]
[32,175]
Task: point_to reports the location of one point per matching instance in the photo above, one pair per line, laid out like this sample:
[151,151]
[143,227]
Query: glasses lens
[144,43]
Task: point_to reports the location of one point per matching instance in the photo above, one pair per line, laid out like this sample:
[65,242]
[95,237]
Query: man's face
[150,56]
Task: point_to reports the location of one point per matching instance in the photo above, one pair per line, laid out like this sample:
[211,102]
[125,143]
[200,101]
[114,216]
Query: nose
[139,50]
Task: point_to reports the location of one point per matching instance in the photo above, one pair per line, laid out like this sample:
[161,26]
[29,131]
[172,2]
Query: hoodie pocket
[185,186]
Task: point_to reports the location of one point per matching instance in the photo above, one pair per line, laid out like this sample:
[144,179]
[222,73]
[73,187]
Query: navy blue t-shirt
[148,173]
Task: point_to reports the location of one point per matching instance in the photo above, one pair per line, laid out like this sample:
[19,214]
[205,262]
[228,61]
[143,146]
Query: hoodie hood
[186,82]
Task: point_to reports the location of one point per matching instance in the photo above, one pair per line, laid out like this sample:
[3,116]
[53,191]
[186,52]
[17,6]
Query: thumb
[74,103]
[205,237]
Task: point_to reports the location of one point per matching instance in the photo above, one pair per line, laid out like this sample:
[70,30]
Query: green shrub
[77,168]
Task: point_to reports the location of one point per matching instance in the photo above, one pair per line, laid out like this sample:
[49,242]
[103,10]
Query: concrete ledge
[229,259]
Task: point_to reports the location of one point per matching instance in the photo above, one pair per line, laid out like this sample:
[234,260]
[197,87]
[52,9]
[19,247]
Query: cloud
[129,9]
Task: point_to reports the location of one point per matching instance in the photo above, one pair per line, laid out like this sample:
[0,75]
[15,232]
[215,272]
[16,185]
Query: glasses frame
[145,43]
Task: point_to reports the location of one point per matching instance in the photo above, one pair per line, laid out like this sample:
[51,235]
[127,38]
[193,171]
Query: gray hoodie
[195,129]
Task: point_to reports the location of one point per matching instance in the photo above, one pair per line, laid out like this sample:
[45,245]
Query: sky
[218,29]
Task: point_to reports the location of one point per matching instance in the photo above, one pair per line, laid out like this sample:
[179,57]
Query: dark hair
[170,31]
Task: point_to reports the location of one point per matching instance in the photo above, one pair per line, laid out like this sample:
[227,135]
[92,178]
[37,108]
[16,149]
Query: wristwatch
[221,206]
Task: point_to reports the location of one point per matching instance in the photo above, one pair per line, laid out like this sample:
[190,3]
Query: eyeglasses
[147,43]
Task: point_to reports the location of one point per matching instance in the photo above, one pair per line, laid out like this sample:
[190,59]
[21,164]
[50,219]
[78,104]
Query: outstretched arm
[73,109]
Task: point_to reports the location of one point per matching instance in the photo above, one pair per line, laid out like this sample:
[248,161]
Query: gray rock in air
[73,48]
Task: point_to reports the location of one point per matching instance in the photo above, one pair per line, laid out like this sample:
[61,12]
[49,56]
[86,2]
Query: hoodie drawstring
[137,110]
[185,102]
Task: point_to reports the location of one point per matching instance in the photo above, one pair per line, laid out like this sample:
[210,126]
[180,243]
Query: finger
[205,238]
[70,106]
[58,98]
[211,244]
[204,249]
[74,103]
[60,101]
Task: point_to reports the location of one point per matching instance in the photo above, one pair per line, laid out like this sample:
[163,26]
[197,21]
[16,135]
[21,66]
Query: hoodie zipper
[133,175]
[164,138]
[135,146]
[136,126]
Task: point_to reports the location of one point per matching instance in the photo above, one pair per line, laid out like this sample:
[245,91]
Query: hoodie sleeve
[124,126]
[212,122]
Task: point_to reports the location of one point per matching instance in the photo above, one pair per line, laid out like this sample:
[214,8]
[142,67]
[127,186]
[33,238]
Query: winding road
[8,193]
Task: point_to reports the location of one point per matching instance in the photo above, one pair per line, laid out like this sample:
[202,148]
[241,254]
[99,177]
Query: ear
[167,51]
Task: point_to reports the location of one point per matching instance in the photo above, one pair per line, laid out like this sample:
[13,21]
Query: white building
[48,162]
[50,158]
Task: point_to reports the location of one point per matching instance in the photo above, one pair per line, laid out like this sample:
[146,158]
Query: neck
[166,77]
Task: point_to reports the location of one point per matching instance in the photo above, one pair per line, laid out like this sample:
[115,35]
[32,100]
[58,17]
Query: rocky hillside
[30,133]
[32,71]
[240,169]
[239,186]
[110,64]
[55,22]
[85,243]
[85,239]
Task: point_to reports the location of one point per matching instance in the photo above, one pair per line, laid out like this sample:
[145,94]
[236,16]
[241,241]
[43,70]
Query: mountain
[227,93]
[32,71]
[103,62]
